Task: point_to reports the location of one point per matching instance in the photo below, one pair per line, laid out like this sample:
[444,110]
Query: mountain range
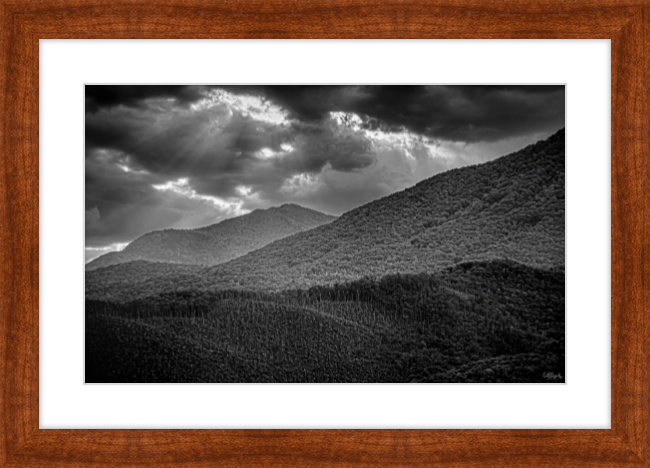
[509,208]
[217,243]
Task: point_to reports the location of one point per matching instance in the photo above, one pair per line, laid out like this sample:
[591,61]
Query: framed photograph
[324,253]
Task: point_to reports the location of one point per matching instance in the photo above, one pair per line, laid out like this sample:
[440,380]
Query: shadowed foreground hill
[510,208]
[217,243]
[491,321]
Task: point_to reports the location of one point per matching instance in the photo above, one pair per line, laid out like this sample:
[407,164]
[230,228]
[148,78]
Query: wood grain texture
[24,22]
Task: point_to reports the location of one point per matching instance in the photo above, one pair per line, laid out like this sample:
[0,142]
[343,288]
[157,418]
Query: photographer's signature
[553,377]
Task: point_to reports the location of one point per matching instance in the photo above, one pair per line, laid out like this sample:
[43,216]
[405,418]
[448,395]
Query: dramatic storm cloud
[186,156]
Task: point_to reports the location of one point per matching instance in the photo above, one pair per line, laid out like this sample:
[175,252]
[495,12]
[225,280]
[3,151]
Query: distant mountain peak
[217,243]
[286,207]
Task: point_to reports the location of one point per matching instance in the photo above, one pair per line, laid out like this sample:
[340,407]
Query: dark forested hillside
[217,243]
[475,322]
[510,208]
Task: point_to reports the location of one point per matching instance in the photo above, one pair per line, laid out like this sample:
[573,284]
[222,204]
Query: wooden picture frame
[625,22]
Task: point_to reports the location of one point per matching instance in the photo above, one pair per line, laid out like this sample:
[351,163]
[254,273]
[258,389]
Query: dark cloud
[327,143]
[454,113]
[103,96]
[468,113]
[219,148]
[184,156]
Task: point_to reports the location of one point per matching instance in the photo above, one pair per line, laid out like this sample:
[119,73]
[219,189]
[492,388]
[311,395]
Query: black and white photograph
[324,234]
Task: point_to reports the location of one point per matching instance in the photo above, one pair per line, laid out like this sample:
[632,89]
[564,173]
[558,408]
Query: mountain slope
[217,243]
[509,208]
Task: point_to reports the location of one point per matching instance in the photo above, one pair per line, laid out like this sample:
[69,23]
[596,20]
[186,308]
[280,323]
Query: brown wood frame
[24,22]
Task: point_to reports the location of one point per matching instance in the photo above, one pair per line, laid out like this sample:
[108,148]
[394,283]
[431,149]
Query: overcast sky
[187,156]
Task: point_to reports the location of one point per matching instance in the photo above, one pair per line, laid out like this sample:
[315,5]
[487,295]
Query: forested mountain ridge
[509,208]
[219,242]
